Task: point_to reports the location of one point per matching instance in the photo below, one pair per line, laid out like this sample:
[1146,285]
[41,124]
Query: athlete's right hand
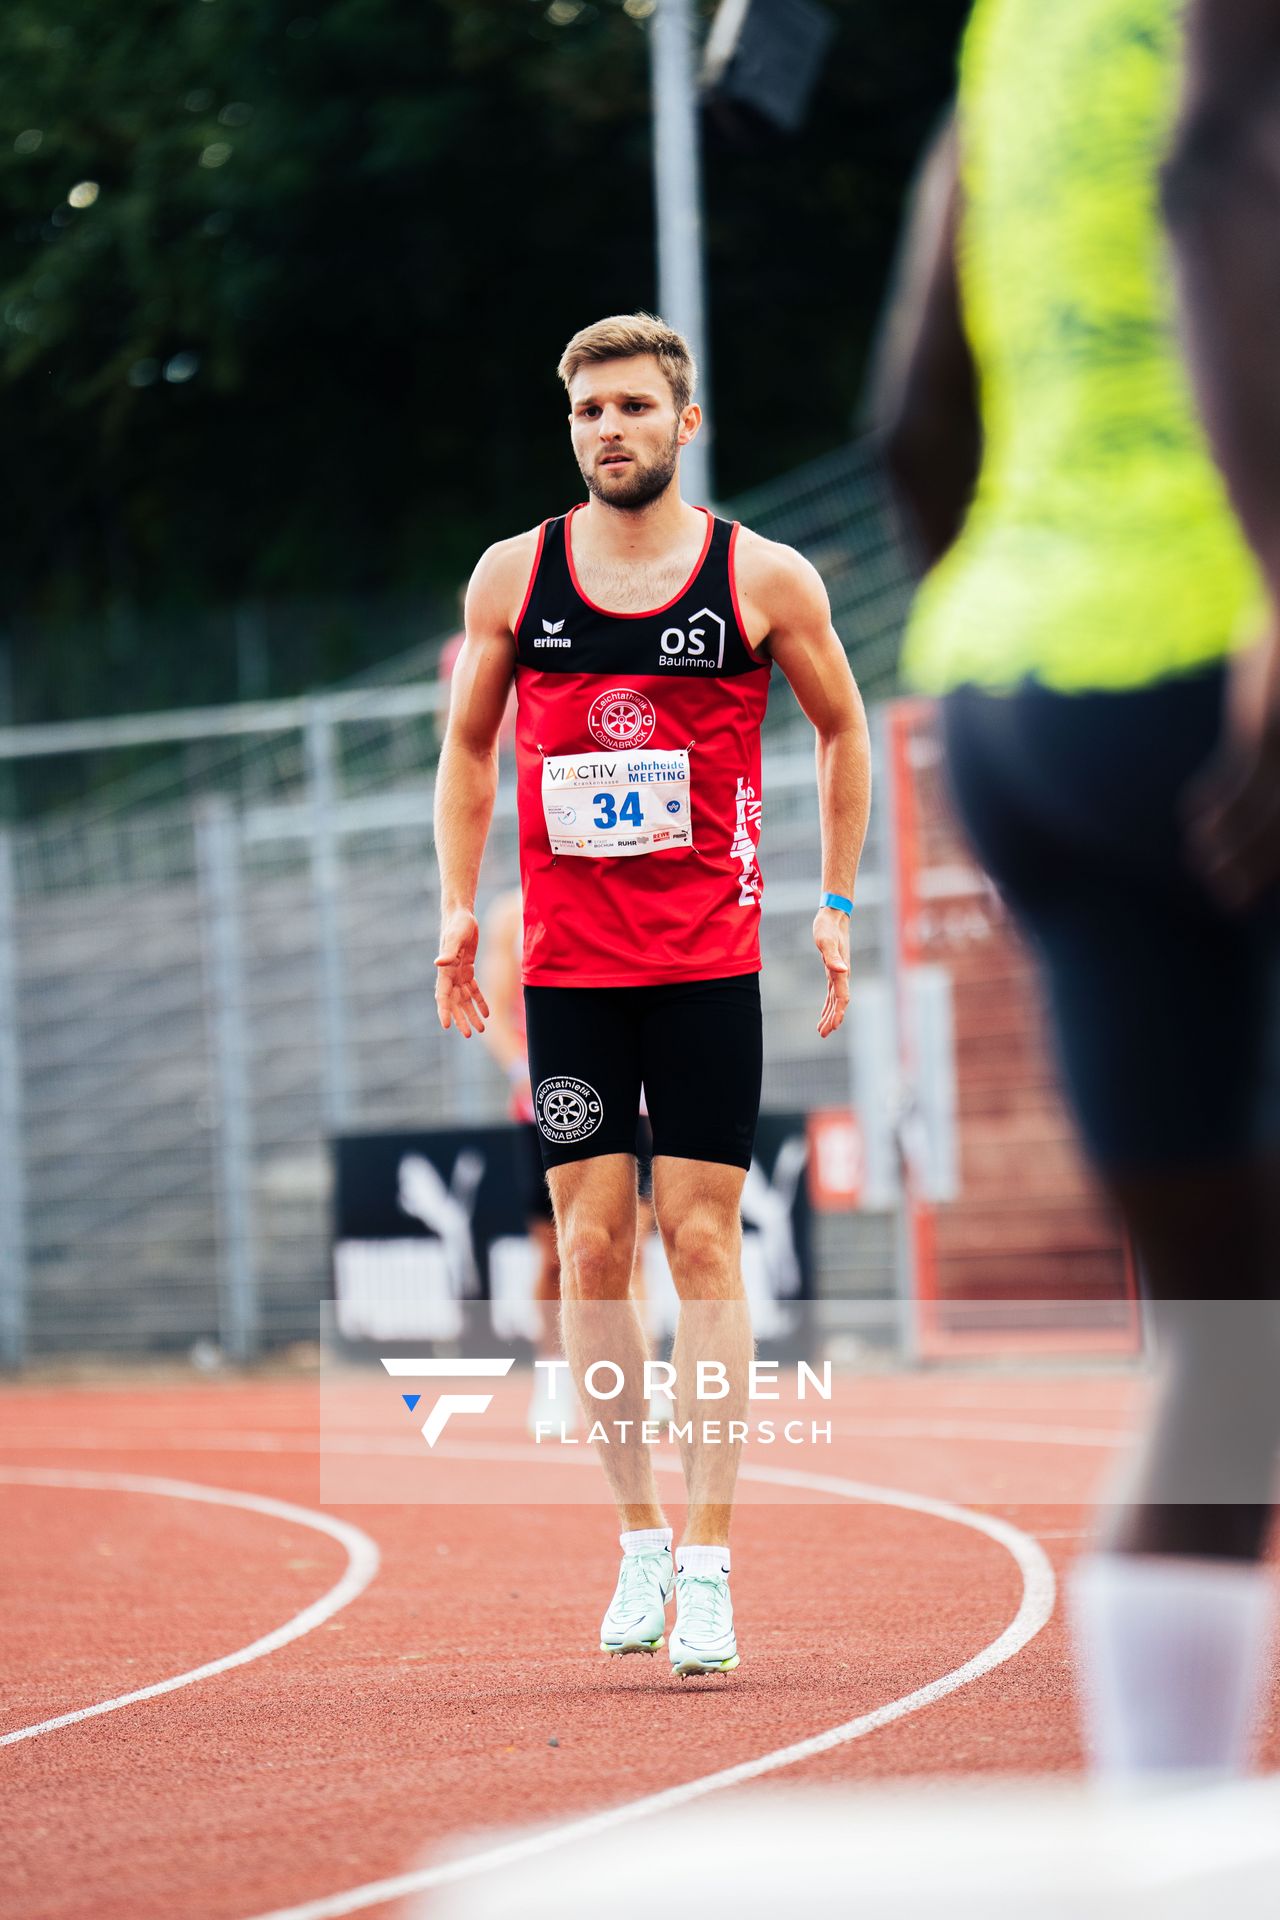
[459,1000]
[1232,812]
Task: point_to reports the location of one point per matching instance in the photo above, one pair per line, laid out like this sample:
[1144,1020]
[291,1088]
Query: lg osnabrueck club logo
[621,717]
[449,1403]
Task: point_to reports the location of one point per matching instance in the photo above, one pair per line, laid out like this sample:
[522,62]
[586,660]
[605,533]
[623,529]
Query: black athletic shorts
[537,1195]
[1166,1009]
[696,1047]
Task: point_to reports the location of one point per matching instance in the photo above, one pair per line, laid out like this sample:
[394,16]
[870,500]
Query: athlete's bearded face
[626,432]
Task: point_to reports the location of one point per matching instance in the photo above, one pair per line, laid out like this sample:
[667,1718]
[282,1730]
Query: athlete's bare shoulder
[500,581]
[773,567]
[778,589]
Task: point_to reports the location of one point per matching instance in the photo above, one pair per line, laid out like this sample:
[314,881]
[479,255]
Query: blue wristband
[836,900]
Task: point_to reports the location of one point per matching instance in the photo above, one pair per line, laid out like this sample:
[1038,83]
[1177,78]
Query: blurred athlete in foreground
[1113,737]
[641,632]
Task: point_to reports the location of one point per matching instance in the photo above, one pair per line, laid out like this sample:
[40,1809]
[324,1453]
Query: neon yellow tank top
[1100,550]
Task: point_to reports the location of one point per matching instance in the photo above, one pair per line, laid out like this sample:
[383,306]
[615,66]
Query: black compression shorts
[1164,1006]
[695,1046]
[537,1198]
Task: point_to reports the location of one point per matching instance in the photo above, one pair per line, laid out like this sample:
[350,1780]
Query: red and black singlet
[606,697]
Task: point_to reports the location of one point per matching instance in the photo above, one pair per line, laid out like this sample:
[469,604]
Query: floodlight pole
[678,200]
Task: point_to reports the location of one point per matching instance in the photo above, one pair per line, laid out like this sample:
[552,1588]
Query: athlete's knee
[595,1265]
[1216,1431]
[1223,1360]
[703,1248]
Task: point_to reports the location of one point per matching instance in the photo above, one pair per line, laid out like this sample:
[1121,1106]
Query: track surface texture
[449,1690]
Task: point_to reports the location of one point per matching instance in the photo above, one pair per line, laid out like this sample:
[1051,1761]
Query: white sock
[646,1539]
[702,1560]
[1172,1653]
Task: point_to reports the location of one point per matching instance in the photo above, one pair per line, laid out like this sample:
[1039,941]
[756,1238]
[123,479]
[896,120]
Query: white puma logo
[445,1211]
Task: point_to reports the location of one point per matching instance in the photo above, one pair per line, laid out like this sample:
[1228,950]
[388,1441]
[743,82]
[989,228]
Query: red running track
[423,1712]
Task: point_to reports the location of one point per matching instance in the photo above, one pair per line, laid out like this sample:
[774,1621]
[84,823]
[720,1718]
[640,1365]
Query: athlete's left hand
[831,938]
[459,1000]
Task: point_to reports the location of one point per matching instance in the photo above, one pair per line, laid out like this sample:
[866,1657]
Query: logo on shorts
[622,718]
[567,1110]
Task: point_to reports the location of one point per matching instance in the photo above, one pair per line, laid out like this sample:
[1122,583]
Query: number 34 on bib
[602,805]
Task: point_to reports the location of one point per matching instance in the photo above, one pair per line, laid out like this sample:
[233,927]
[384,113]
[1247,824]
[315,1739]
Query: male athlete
[1118,770]
[640,632]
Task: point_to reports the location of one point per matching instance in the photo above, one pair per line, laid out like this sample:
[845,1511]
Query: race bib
[603,804]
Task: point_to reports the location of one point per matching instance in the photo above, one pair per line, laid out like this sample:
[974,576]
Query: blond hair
[625,334]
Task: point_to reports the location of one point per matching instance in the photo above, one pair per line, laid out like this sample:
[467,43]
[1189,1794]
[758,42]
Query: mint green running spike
[702,1639]
[637,1617]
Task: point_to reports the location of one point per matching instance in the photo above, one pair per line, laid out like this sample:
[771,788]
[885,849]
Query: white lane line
[989,1430]
[104,1440]
[132,1440]
[362,1565]
[1034,1610]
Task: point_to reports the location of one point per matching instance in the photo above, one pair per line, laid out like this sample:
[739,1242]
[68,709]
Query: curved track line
[233,1440]
[362,1565]
[1034,1610]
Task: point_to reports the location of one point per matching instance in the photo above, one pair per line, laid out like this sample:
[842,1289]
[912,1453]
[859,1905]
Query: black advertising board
[426,1220]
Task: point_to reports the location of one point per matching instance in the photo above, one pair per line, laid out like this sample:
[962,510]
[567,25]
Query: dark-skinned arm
[1221,197]
[924,397]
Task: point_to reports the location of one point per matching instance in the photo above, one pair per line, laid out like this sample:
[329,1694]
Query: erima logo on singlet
[551,635]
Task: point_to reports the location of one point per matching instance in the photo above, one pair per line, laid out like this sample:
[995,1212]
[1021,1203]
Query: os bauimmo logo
[700,644]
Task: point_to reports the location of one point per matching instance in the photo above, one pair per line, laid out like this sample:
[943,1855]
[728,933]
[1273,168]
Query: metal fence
[203,977]
[836,510]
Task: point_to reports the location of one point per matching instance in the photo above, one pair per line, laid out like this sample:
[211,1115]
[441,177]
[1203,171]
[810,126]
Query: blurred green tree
[282,292]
